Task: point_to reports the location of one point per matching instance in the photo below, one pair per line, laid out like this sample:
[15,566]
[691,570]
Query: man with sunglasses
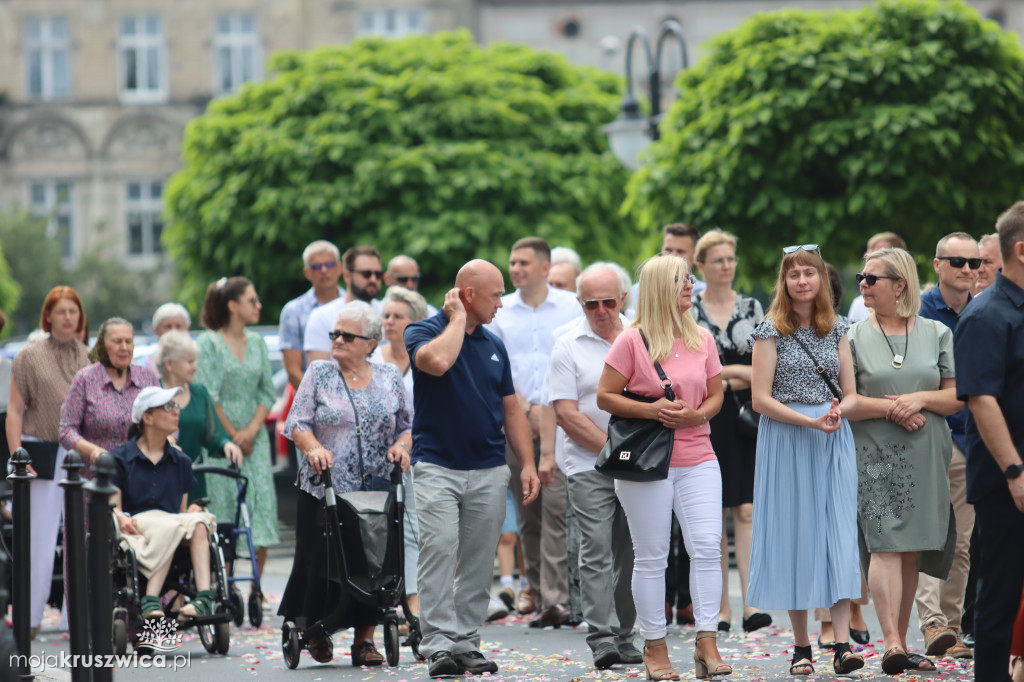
[404,271]
[364,276]
[321,265]
[940,602]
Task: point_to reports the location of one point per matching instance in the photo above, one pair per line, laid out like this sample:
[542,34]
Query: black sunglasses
[595,303]
[871,279]
[810,248]
[410,278]
[347,337]
[959,261]
[367,274]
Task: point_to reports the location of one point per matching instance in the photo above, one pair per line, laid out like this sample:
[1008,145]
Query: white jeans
[695,493]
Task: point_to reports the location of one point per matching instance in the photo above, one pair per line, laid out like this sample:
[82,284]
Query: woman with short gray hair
[171,317]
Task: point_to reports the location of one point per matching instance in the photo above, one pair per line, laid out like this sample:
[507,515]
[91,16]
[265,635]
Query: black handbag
[748,418]
[44,457]
[638,449]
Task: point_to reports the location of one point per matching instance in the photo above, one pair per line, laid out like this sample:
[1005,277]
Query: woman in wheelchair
[153,515]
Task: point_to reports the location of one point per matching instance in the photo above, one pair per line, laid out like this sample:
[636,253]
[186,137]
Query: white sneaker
[496,609]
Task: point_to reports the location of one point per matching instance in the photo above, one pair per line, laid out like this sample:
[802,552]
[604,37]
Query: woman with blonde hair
[906,385]
[665,332]
[804,549]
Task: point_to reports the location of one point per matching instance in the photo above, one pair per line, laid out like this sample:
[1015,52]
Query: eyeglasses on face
[722,262]
[369,274]
[871,279]
[410,278]
[171,407]
[959,261]
[255,300]
[346,337]
[595,303]
[692,279]
[809,248]
[329,265]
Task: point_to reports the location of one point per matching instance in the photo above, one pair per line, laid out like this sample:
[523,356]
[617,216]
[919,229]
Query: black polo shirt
[458,416]
[144,485]
[988,347]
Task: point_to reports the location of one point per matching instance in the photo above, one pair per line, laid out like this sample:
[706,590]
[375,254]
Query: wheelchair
[130,586]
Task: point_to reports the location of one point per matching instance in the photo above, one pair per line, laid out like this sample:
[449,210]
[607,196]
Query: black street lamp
[631,133]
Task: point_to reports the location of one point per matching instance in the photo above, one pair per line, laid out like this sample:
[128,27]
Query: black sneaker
[441,664]
[606,656]
[628,653]
[475,663]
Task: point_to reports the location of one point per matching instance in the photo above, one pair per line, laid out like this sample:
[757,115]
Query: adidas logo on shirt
[494,356]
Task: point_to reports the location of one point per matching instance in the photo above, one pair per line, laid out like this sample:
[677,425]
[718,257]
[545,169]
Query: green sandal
[151,608]
[202,605]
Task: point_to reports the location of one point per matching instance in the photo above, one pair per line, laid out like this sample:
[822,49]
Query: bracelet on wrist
[313,449]
[406,446]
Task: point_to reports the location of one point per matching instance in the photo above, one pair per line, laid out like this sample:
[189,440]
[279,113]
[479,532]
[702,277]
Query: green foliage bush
[431,146]
[827,127]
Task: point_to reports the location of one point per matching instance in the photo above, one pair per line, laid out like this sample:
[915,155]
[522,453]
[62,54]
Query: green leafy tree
[826,127]
[432,146]
[35,266]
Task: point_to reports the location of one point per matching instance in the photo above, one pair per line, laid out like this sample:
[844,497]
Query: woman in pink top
[693,488]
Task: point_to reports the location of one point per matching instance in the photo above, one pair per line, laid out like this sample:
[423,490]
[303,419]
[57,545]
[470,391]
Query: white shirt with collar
[321,322]
[577,362]
[528,336]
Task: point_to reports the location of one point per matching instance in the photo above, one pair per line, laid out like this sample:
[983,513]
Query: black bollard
[101,596]
[77,578]
[22,575]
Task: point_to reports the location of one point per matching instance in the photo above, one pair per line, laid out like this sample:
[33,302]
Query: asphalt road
[522,654]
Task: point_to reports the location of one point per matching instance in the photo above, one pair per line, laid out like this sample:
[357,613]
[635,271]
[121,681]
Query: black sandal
[914,662]
[845,661]
[802,653]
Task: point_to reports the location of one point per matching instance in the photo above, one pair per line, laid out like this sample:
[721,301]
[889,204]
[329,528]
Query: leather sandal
[915,661]
[703,669]
[365,653]
[202,605]
[801,663]
[151,608]
[845,661]
[668,673]
[895,661]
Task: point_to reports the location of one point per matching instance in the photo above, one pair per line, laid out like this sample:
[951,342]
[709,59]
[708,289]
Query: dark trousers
[1000,581]
[677,574]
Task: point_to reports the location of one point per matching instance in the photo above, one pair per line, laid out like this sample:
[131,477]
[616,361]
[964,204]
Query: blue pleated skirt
[804,549]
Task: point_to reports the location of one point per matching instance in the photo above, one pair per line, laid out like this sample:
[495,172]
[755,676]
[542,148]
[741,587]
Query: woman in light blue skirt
[804,549]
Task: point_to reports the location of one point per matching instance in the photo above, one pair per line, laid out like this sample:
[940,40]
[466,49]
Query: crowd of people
[869,456]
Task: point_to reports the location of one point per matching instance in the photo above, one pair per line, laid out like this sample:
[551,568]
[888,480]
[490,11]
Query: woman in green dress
[905,387]
[200,433]
[234,365]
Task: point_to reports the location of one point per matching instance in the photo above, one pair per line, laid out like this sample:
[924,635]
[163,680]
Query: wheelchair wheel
[222,638]
[255,608]
[119,637]
[207,635]
[391,642]
[237,608]
[290,645]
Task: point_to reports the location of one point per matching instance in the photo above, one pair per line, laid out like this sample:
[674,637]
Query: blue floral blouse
[322,406]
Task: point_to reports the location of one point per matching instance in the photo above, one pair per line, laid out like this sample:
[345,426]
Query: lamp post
[631,133]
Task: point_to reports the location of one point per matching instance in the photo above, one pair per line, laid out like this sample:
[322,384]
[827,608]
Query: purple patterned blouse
[96,411]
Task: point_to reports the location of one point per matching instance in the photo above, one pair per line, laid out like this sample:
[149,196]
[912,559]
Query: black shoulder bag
[819,368]
[638,449]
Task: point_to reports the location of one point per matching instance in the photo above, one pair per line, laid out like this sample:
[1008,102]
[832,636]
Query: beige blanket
[160,534]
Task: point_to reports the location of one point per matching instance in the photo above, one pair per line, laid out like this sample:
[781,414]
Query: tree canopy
[431,145]
[827,127]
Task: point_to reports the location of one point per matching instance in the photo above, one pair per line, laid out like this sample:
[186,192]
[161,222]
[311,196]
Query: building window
[236,52]
[143,207]
[51,201]
[47,57]
[393,23]
[143,64]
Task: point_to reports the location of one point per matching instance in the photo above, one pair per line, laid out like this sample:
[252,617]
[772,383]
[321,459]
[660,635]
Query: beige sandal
[668,673]
[704,671]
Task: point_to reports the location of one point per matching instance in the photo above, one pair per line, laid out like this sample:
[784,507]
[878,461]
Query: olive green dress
[903,502]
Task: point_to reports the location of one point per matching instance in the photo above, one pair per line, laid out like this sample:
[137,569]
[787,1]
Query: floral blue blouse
[322,406]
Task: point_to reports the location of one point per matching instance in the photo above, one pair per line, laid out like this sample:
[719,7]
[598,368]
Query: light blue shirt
[294,317]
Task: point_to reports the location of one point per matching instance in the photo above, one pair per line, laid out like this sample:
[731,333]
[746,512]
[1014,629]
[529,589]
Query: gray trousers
[460,516]
[606,559]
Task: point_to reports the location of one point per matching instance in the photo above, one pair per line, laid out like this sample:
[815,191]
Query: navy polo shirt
[145,486]
[934,307]
[458,416]
[988,347]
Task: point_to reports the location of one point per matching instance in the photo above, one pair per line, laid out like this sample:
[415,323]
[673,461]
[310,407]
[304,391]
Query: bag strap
[666,383]
[819,368]
[359,431]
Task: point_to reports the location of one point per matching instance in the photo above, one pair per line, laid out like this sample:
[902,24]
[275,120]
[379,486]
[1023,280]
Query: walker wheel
[391,642]
[290,645]
[255,608]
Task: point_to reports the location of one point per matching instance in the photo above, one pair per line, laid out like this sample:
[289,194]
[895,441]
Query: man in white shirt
[606,556]
[525,323]
[677,239]
[361,268]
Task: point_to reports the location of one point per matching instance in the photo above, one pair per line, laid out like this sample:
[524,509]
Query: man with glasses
[363,275]
[321,265]
[525,323]
[606,556]
[991,262]
[940,602]
[404,271]
[677,239]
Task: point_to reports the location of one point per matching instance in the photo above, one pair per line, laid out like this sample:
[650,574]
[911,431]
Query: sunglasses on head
[410,278]
[369,274]
[959,261]
[317,267]
[871,279]
[595,303]
[347,337]
[810,248]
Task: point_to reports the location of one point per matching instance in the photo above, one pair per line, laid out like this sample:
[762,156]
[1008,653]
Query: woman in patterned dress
[906,386]
[234,365]
[334,395]
[731,317]
[804,548]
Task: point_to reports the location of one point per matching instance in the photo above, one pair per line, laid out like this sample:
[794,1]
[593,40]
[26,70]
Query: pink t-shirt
[689,372]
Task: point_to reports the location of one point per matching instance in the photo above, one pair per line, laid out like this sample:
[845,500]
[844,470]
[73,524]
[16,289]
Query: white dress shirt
[528,336]
[321,322]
